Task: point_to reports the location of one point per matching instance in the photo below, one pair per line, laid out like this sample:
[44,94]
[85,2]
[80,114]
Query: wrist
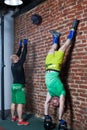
[20,43]
[25,41]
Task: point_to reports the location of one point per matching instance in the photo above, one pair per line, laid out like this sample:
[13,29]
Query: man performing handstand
[54,61]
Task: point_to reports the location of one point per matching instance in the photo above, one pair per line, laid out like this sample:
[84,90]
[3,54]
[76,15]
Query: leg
[65,45]
[53,48]
[70,36]
[68,41]
[13,107]
[48,124]
[56,36]
[21,100]
[62,123]
[20,111]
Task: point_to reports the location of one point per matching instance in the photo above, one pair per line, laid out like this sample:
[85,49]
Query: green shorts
[18,94]
[54,85]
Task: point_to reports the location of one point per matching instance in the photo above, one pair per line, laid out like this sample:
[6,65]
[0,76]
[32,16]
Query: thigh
[21,96]
[56,88]
[13,96]
[60,90]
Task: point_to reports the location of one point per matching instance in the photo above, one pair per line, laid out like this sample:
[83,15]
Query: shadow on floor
[35,124]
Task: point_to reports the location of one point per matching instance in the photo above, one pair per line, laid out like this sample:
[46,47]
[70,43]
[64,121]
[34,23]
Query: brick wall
[58,15]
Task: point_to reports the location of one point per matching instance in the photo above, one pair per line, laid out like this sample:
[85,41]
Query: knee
[53,48]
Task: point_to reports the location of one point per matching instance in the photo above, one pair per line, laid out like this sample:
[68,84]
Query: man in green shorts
[54,61]
[18,90]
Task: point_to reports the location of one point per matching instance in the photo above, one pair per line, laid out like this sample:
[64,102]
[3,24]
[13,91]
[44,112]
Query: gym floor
[35,124]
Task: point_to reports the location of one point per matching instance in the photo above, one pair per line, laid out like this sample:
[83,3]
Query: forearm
[24,53]
[24,50]
[19,51]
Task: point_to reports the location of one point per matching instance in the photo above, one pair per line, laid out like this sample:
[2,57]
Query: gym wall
[58,15]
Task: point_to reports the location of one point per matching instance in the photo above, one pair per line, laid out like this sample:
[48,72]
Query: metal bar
[2,67]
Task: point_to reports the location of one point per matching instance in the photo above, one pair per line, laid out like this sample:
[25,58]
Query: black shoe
[48,125]
[75,24]
[62,125]
[54,33]
[47,118]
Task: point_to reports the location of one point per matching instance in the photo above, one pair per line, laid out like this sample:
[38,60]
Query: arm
[23,56]
[19,51]
[20,48]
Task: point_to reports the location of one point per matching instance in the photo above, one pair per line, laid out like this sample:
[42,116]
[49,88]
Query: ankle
[20,120]
[13,116]
[62,121]
[55,40]
[47,118]
[71,34]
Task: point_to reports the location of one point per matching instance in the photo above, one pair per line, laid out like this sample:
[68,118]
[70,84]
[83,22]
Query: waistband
[50,70]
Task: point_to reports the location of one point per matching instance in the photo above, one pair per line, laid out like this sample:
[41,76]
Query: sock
[62,121]
[71,34]
[55,39]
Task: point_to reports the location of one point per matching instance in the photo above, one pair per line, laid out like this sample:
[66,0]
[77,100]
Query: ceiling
[4,6]
[27,5]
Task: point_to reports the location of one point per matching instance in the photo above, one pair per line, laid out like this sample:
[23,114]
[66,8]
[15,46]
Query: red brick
[56,15]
